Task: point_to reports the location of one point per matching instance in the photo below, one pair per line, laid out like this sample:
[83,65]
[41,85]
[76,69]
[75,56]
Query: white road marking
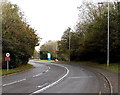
[40,86]
[21,80]
[80,77]
[46,70]
[100,93]
[48,67]
[50,85]
[9,83]
[37,75]
[13,82]
[41,73]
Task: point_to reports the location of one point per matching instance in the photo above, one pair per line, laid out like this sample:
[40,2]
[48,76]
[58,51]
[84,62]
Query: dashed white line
[13,82]
[9,83]
[21,80]
[50,85]
[100,93]
[48,67]
[37,75]
[41,73]
[46,70]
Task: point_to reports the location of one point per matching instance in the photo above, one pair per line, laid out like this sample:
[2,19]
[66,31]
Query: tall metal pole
[108,39]
[69,46]
[56,49]
[108,36]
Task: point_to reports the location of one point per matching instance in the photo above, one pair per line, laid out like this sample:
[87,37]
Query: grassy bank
[115,67]
[15,70]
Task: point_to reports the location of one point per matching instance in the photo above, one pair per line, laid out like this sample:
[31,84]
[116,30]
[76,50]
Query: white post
[108,39]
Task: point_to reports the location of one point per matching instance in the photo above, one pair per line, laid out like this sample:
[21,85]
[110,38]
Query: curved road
[49,77]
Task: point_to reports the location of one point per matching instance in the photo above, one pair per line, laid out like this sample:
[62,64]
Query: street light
[69,46]
[39,49]
[56,48]
[108,38]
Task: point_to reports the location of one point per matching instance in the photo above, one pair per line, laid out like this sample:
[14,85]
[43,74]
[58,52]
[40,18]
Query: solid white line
[41,90]
[13,82]
[42,85]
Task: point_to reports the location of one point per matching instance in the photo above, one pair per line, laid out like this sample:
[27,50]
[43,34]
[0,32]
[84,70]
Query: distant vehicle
[56,60]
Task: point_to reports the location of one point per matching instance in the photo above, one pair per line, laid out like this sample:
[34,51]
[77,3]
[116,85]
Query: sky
[50,18]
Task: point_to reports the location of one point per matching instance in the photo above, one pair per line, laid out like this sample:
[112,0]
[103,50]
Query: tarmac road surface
[49,77]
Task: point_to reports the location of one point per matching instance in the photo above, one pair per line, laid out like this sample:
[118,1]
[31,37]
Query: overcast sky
[51,17]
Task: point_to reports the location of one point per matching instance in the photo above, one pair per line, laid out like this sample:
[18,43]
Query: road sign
[7,58]
[7,54]
[49,56]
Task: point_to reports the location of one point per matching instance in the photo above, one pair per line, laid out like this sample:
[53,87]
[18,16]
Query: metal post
[108,39]
[69,46]
[56,49]
[7,65]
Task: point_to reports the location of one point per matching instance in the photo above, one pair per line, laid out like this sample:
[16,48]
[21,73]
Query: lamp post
[69,46]
[56,49]
[108,35]
[108,39]
[39,49]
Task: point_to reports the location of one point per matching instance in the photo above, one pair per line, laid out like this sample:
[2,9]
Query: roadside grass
[15,70]
[115,67]
[42,60]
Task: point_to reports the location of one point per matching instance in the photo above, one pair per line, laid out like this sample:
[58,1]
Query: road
[49,77]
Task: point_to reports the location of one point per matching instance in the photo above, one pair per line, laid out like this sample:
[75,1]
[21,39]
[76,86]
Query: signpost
[7,58]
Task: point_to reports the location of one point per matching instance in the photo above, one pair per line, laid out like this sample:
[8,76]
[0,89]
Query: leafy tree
[50,46]
[18,38]
[89,41]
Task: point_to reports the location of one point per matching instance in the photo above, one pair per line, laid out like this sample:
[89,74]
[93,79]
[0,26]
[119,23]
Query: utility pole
[56,49]
[108,34]
[108,39]
[69,45]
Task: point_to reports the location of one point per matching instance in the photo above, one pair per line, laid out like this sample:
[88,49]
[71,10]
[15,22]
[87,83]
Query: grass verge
[15,70]
[115,67]
[42,60]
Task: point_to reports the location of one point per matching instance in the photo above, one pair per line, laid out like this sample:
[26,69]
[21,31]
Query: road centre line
[13,82]
[48,67]
[40,73]
[46,70]
[37,75]
[100,93]
[50,85]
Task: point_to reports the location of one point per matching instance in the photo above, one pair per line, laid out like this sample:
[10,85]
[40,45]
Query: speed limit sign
[7,54]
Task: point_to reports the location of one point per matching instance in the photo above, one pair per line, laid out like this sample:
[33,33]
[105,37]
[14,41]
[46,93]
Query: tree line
[48,47]
[18,38]
[88,42]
